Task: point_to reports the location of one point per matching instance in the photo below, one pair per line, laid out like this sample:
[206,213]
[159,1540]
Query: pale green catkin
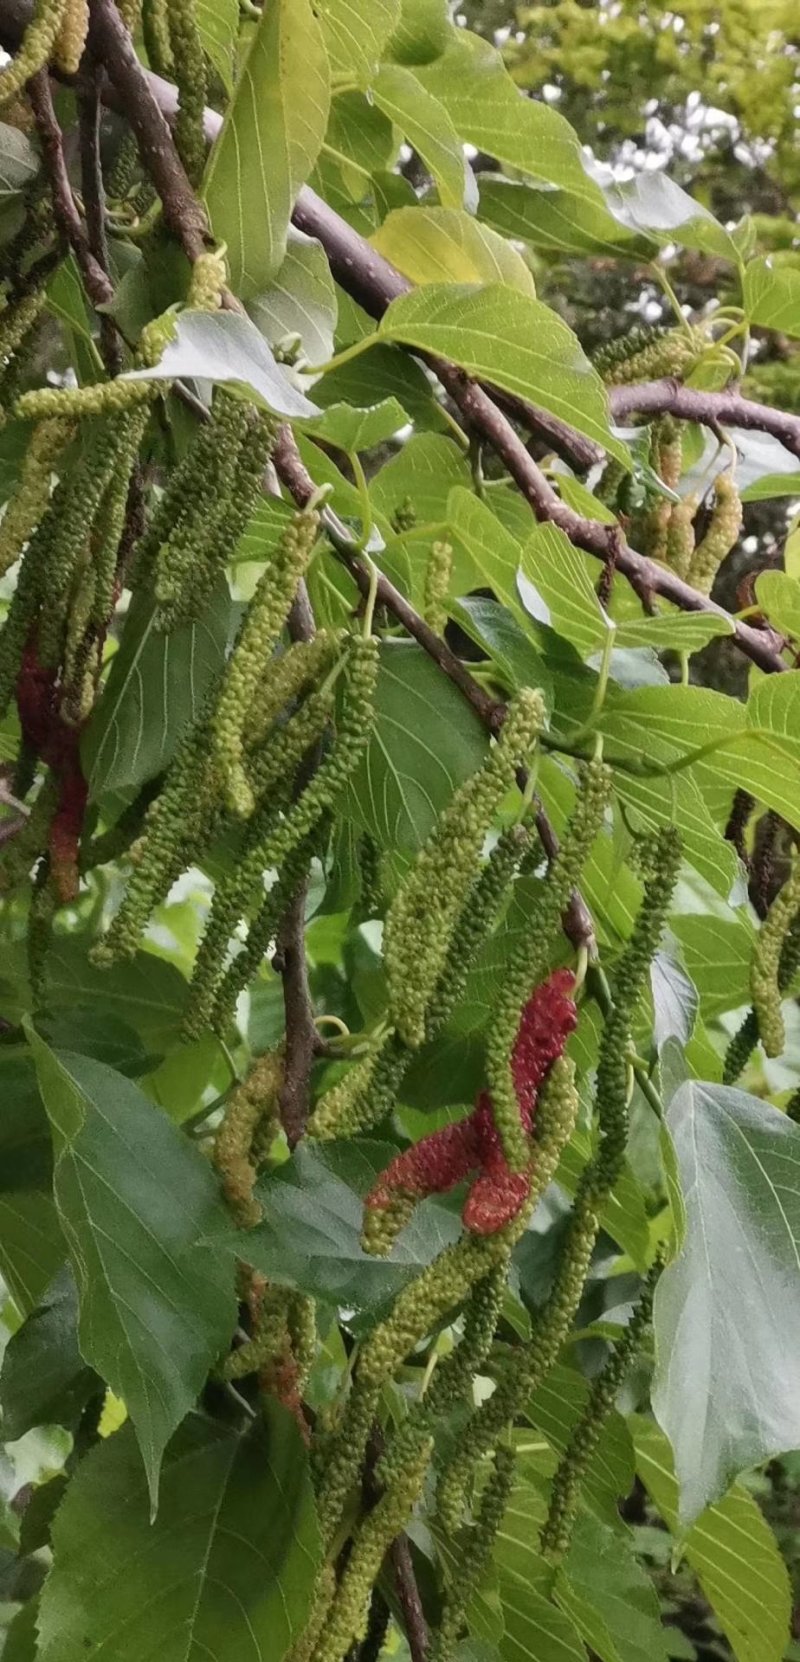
[765,986]
[191,75]
[37,44]
[71,37]
[251,655]
[721,536]
[586,1434]
[438,573]
[29,501]
[422,916]
[529,960]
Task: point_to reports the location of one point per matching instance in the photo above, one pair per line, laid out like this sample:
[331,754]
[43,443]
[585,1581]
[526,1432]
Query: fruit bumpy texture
[471,1148]
[766,981]
[422,916]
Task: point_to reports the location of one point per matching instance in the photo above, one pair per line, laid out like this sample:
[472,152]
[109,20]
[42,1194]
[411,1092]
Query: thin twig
[408,1598]
[93,192]
[290,956]
[68,220]
[726,409]
[113,47]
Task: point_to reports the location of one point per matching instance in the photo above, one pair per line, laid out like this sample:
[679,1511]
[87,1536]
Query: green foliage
[391,854]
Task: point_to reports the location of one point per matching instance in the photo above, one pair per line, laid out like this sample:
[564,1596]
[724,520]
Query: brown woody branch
[68,221]
[711,409]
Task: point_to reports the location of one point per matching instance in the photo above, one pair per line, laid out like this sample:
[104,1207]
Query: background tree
[400,804]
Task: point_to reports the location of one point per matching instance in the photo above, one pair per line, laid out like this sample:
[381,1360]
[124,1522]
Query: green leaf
[44,1379]
[229,350]
[485,555]
[135,1199]
[514,342]
[148,993]
[19,161]
[717,953]
[272,134]
[155,689]
[555,1409]
[725,1388]
[218,24]
[772,295]
[663,724]
[445,245]
[422,472]
[351,429]
[425,122]
[732,1551]
[559,574]
[767,753]
[423,31]
[311,1234]
[556,219]
[32,1247]
[489,111]
[534,1628]
[404,779]
[610,1597]
[778,595]
[384,371]
[652,203]
[227,1570]
[356,38]
[300,300]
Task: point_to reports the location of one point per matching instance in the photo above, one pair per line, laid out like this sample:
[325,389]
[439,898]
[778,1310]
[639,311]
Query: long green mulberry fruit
[37,44]
[248,663]
[423,914]
[648,354]
[765,987]
[586,1434]
[721,536]
[528,962]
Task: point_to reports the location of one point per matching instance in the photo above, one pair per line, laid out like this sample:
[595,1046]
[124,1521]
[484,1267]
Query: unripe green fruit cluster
[422,916]
[765,977]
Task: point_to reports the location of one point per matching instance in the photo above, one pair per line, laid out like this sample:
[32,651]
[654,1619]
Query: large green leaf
[727,1310]
[228,349]
[424,741]
[226,1571]
[32,1247]
[356,37]
[485,555]
[489,111]
[732,1551]
[610,1597]
[301,299]
[511,340]
[425,122]
[717,954]
[556,219]
[772,295]
[651,203]
[311,1234]
[136,1199]
[767,753]
[422,32]
[446,245]
[555,1408]
[270,139]
[155,689]
[218,23]
[44,1379]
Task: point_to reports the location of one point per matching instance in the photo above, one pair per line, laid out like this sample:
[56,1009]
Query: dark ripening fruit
[473,1147]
